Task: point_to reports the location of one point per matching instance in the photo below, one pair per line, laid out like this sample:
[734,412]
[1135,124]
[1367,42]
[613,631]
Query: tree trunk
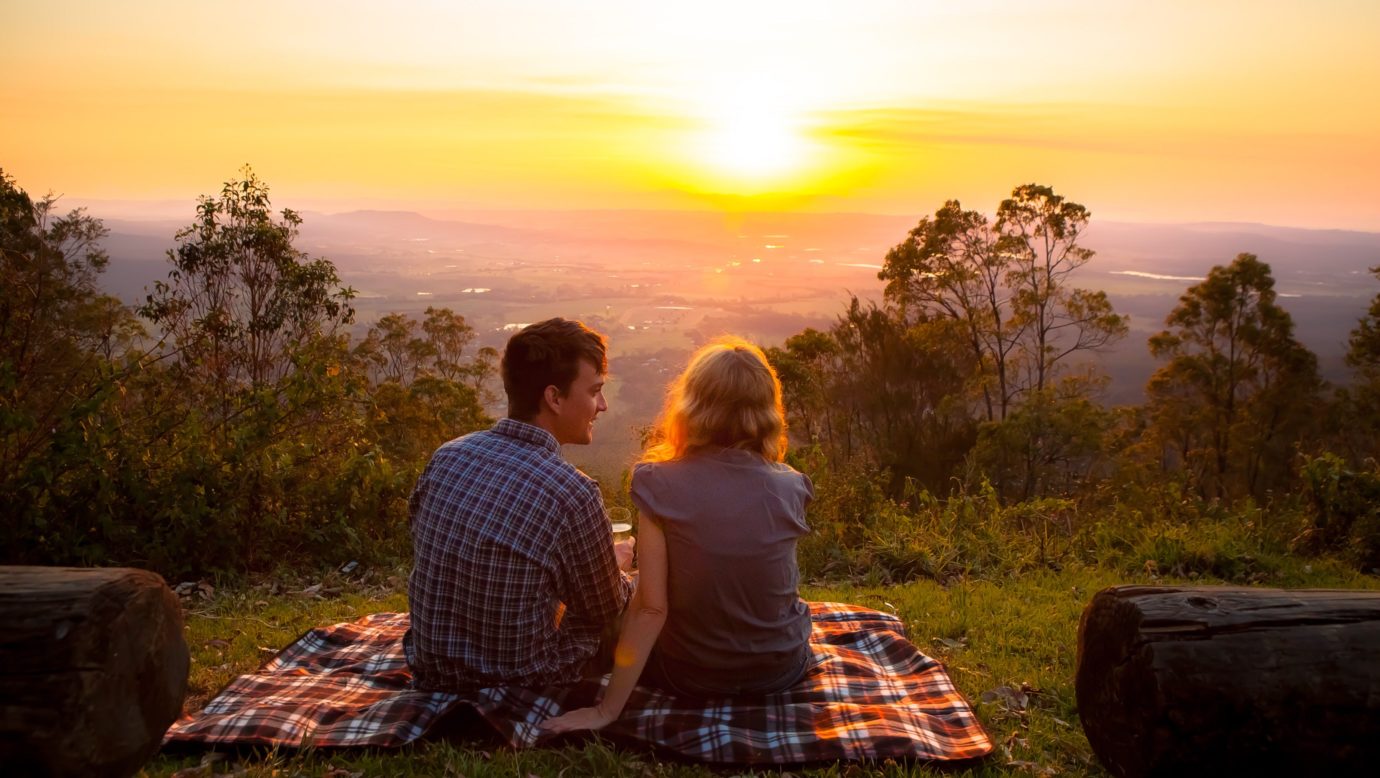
[93,669]
[1234,680]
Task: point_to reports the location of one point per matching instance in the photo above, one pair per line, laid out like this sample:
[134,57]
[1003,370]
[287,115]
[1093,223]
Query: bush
[1345,516]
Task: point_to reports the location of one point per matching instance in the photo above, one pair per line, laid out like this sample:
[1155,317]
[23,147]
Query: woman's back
[731,519]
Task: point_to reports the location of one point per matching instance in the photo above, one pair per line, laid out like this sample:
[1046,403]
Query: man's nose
[603,404]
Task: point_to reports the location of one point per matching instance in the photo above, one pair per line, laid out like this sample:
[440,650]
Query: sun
[753,146]
[750,137]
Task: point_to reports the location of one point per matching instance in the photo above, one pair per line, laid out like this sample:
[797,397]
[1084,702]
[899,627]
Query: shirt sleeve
[418,495]
[596,590]
[643,491]
[806,496]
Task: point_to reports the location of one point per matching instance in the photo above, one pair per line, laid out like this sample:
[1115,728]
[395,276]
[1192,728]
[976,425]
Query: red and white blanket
[870,695]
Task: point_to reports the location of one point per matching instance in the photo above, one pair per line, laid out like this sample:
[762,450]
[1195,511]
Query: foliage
[241,302]
[1039,233]
[1006,284]
[249,434]
[860,535]
[1346,511]
[946,433]
[982,321]
[1363,352]
[1238,391]
[1355,414]
[1055,443]
[66,353]
[878,390]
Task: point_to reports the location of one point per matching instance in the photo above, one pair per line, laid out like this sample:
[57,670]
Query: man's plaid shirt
[505,531]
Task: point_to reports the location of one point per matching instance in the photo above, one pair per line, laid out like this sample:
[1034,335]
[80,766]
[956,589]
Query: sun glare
[751,137]
[752,146]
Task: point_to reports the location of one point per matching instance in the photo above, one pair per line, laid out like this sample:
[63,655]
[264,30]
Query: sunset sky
[1262,111]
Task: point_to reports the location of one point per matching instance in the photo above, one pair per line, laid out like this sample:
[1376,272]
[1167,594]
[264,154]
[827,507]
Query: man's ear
[552,397]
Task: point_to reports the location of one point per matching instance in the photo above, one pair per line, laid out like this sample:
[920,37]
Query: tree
[260,362]
[66,351]
[950,266]
[1007,284]
[422,390]
[1039,233]
[1052,445]
[241,303]
[1238,390]
[882,392]
[803,367]
[1363,352]
[393,350]
[1357,407]
[481,370]
[448,335]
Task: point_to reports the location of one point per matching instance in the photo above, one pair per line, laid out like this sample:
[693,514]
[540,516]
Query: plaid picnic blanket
[870,695]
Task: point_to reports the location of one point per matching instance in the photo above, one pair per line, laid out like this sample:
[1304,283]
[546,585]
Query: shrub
[1345,515]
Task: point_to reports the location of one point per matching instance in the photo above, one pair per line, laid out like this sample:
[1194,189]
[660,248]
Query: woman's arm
[643,623]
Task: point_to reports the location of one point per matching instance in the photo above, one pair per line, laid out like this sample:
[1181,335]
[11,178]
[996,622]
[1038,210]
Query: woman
[716,611]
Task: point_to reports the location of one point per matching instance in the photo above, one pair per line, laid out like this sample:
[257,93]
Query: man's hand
[577,720]
[623,552]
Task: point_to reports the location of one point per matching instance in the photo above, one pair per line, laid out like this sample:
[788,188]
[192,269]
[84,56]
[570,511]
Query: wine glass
[620,521]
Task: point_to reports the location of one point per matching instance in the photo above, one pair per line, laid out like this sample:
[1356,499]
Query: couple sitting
[517,580]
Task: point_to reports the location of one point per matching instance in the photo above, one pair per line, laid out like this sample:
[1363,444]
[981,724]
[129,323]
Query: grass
[1000,639]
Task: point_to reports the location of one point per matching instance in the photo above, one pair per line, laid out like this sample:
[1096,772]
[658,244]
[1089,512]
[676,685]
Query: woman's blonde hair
[728,396]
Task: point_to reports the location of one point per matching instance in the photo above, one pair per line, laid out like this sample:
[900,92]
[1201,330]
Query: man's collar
[527,433]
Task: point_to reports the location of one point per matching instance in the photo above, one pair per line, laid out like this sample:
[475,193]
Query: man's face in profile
[580,405]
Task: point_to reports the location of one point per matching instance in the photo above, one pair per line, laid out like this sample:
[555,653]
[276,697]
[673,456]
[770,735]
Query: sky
[1228,110]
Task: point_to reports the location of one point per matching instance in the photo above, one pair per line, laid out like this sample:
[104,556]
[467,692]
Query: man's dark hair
[544,354]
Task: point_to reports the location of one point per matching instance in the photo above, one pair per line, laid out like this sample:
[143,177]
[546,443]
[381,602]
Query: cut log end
[93,669]
[1187,680]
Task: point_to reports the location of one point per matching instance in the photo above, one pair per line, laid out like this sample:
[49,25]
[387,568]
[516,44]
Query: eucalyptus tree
[66,353]
[1238,391]
[883,393]
[241,304]
[1008,286]
[1356,418]
[1039,233]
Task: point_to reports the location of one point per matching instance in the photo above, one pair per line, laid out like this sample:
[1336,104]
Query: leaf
[1012,699]
[1032,767]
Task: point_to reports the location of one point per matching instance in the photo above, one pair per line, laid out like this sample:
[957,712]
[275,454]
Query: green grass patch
[1008,642]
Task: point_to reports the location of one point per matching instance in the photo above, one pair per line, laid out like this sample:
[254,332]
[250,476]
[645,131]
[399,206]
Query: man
[516,577]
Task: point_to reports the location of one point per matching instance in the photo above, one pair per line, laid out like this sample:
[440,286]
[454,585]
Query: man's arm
[640,631]
[597,591]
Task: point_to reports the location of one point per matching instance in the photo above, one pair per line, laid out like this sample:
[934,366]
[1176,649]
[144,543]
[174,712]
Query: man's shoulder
[495,452]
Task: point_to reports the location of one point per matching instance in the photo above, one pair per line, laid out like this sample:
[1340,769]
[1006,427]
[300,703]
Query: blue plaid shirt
[507,536]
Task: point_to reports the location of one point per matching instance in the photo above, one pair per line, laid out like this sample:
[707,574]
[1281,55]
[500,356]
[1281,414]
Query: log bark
[1233,680]
[93,669]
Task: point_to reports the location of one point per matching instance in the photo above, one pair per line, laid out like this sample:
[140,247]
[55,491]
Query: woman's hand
[623,553]
[577,720]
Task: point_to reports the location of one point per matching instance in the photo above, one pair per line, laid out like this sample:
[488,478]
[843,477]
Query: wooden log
[1233,680]
[93,669]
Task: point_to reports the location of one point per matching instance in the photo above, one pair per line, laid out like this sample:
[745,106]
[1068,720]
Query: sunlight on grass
[1008,644]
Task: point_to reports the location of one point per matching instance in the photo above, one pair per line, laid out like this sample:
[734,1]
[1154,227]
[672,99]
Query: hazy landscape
[660,282]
